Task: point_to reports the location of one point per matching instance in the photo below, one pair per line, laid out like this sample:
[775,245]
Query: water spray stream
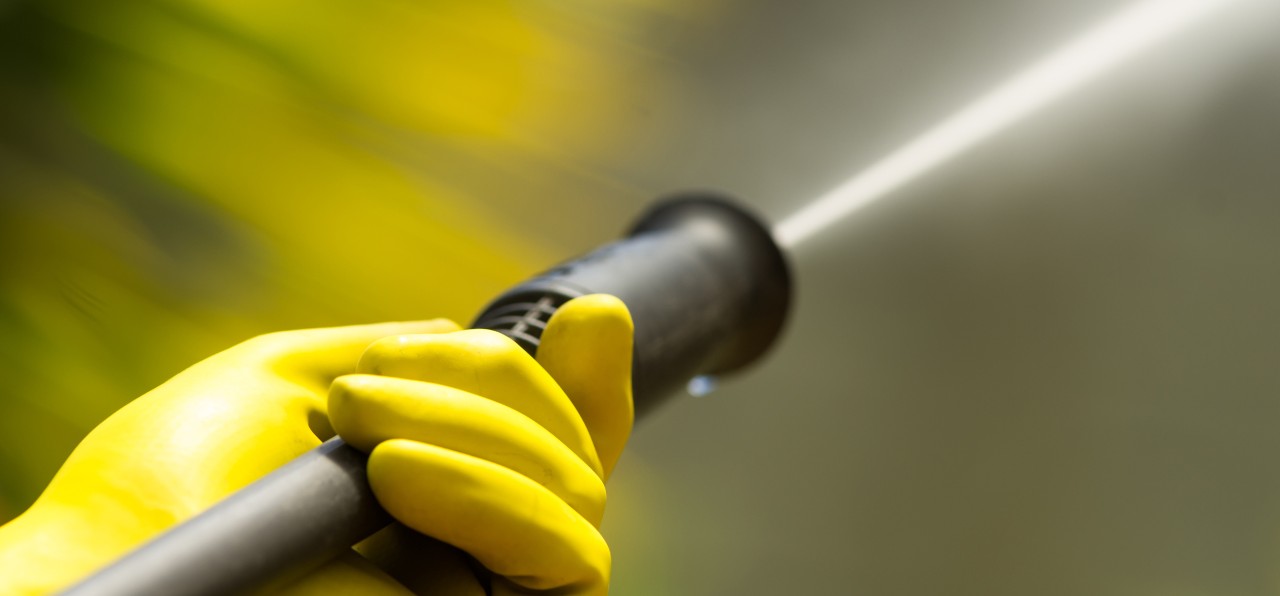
[1123,36]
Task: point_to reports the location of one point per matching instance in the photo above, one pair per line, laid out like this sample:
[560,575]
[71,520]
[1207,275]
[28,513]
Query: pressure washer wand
[708,290]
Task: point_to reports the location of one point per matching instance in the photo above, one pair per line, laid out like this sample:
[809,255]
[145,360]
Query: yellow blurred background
[178,176]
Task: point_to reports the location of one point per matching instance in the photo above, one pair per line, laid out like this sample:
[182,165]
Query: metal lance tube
[708,290]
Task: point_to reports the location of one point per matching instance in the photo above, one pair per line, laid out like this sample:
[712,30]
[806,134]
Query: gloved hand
[471,442]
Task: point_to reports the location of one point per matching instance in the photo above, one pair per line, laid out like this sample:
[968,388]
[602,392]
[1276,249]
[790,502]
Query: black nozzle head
[753,269]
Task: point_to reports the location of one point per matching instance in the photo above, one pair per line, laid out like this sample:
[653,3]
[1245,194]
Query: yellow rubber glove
[471,442]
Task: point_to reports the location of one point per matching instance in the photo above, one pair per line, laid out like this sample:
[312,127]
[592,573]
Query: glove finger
[489,364]
[367,410]
[511,524]
[320,355]
[587,349]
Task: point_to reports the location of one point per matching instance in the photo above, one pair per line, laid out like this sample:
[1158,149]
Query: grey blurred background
[1045,368]
[1049,367]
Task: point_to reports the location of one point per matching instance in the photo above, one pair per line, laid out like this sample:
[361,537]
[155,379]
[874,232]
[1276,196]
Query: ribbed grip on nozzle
[524,318]
[707,287]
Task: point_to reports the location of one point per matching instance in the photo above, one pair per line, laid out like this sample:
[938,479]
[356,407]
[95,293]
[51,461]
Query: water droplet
[702,385]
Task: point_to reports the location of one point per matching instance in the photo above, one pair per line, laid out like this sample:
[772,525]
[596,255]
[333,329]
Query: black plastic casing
[707,287]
